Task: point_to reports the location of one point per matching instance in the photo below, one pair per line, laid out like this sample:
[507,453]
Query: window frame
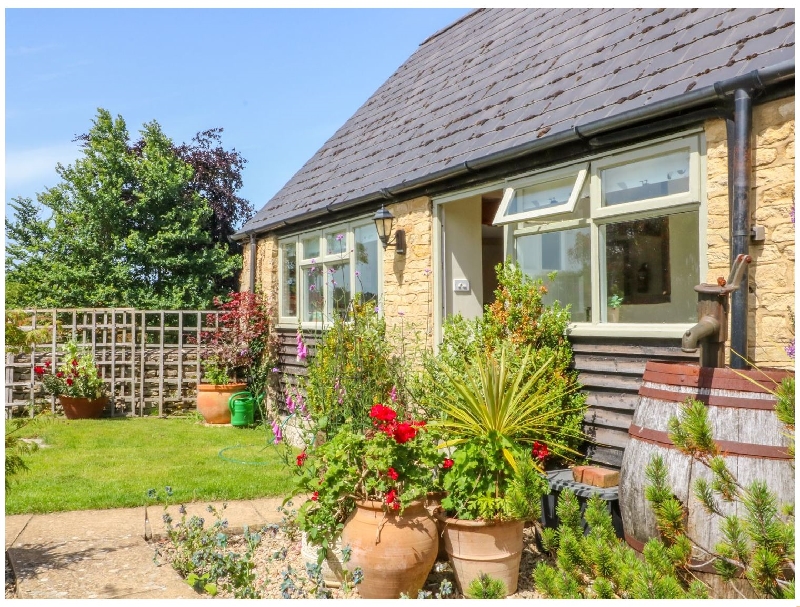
[323,261]
[580,171]
[599,217]
[283,319]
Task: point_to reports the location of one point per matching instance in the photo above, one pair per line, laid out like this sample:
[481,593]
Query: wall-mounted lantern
[383,223]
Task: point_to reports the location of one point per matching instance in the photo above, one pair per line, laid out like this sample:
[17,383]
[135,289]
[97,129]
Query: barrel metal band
[710,381]
[714,400]
[659,437]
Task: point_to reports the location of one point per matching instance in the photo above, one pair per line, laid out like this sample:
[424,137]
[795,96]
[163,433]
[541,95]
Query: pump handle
[737,272]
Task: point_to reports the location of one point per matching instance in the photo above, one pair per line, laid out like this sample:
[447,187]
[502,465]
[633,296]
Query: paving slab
[14,526]
[84,525]
[104,553]
[92,569]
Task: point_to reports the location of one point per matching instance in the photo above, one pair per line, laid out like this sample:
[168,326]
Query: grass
[111,463]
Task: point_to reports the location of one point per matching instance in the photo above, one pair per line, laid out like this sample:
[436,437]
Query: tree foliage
[140,225]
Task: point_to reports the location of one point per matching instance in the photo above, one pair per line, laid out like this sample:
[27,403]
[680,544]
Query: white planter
[297,434]
[332,565]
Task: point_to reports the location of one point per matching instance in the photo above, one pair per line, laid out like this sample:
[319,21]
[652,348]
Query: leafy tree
[142,225]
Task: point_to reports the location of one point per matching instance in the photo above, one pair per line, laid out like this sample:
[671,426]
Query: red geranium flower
[381,413]
[38,370]
[47,364]
[301,458]
[447,463]
[60,374]
[392,474]
[391,499]
[539,450]
[69,381]
[404,432]
[315,496]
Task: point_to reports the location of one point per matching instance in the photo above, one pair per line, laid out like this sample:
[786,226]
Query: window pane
[568,252]
[650,178]
[652,265]
[338,293]
[366,260]
[310,247]
[312,293]
[542,196]
[336,242]
[289,286]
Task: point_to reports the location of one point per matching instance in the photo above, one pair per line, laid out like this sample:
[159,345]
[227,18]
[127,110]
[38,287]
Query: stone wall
[771,280]
[408,279]
[266,264]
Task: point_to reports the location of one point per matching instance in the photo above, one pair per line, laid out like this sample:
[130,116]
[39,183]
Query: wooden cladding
[611,372]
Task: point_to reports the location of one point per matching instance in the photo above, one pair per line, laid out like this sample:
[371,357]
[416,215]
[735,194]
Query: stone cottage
[636,152]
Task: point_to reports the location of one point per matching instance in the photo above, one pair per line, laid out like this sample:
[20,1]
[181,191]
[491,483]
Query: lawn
[111,463]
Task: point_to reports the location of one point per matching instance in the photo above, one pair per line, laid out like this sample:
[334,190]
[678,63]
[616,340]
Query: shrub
[519,319]
[759,542]
[353,368]
[598,565]
[486,587]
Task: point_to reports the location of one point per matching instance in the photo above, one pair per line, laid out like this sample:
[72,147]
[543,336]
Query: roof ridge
[451,26]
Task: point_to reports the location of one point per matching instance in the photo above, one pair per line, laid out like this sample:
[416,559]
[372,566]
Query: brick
[595,476]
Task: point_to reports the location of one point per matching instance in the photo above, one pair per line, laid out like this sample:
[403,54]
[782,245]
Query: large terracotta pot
[212,401]
[477,547]
[396,553]
[83,408]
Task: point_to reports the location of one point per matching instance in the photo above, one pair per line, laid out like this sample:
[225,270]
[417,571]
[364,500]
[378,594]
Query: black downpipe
[252,284]
[740,221]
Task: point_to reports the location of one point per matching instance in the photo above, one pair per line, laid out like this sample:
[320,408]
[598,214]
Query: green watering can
[242,408]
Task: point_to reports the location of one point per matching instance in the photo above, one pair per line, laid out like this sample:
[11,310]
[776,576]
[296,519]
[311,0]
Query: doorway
[471,247]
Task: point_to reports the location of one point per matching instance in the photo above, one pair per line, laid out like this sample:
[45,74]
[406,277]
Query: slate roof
[501,77]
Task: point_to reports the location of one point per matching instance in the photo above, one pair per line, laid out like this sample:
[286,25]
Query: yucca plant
[497,416]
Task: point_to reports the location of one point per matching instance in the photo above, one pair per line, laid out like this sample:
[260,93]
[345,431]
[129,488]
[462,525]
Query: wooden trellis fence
[148,358]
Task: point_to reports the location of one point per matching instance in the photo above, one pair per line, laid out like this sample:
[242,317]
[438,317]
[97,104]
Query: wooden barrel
[745,428]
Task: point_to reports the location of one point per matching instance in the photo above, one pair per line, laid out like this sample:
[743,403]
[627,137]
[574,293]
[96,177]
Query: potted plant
[498,419]
[368,490]
[614,303]
[76,383]
[239,354]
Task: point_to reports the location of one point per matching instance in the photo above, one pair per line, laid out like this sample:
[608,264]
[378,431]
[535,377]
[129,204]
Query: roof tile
[499,78]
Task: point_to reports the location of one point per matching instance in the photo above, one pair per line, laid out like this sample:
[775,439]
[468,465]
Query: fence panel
[149,359]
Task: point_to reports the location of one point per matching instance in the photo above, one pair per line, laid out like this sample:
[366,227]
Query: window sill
[618,329]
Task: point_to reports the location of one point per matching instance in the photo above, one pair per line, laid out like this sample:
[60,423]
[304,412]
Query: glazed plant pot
[212,401]
[395,553]
[83,408]
[476,547]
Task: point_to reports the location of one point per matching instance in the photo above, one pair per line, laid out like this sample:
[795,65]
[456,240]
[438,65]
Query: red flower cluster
[539,450]
[380,413]
[301,459]
[447,463]
[392,474]
[391,499]
[385,419]
[315,496]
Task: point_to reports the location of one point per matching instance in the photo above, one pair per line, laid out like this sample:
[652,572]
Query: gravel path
[272,562]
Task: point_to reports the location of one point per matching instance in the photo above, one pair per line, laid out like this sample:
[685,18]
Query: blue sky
[278,81]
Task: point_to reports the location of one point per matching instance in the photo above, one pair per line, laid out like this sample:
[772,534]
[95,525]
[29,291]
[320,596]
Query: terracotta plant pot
[477,547]
[396,553]
[212,401]
[433,503]
[83,408]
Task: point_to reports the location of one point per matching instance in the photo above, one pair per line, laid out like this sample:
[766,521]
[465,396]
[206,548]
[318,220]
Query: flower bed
[279,553]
